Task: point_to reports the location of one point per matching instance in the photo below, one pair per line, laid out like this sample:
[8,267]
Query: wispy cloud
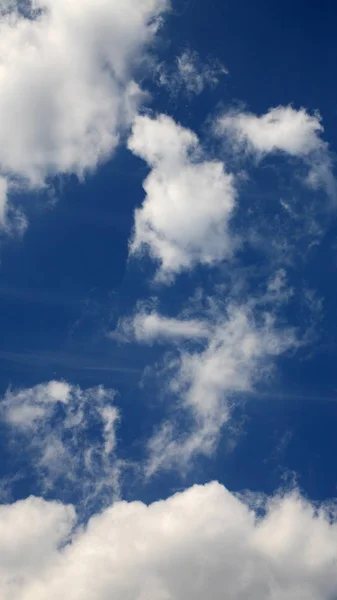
[69,435]
[205,382]
[190,74]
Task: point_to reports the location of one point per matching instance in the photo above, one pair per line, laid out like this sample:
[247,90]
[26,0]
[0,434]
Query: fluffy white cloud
[190,74]
[69,435]
[237,354]
[204,542]
[189,201]
[65,82]
[31,532]
[282,129]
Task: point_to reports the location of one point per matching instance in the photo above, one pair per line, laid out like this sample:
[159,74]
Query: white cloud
[23,408]
[31,532]
[152,327]
[282,129]
[221,348]
[110,417]
[68,434]
[204,542]
[237,355]
[66,88]
[190,74]
[189,201]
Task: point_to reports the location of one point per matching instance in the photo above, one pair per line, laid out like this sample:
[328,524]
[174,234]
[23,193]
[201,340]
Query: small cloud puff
[286,130]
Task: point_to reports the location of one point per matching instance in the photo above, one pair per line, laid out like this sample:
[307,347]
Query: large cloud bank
[202,543]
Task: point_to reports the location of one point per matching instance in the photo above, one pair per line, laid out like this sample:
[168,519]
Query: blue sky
[167,300]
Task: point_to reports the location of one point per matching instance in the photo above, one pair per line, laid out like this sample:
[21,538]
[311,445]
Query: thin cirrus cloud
[189,201]
[203,542]
[66,84]
[54,422]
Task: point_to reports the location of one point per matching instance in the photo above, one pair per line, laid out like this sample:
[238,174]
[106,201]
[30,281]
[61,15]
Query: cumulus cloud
[190,74]
[66,83]
[237,355]
[69,436]
[282,129]
[189,201]
[204,542]
[31,532]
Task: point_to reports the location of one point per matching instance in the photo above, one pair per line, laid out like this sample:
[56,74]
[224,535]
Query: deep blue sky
[64,284]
